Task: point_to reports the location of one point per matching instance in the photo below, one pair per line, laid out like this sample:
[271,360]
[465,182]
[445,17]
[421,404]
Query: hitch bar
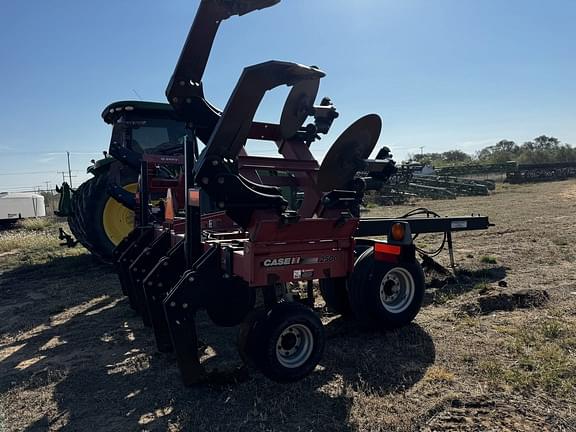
[376,226]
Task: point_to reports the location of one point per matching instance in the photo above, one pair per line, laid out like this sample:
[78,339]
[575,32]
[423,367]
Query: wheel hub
[397,290]
[289,342]
[294,346]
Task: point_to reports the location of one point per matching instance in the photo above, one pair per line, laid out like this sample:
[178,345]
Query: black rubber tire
[357,280]
[260,334]
[364,292]
[230,302]
[76,219]
[335,291]
[86,221]
[335,294]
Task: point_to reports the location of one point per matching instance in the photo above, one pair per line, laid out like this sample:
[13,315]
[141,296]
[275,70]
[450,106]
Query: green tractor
[101,210]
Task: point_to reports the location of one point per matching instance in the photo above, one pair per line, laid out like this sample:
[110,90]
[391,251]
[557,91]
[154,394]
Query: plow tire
[285,343]
[385,296]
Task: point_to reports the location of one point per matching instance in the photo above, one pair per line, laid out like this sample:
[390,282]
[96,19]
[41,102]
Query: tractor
[101,210]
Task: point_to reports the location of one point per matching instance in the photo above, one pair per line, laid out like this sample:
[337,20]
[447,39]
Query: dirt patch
[569,193]
[485,414]
[492,302]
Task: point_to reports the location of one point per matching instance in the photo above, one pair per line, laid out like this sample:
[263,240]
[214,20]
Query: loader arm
[185,92]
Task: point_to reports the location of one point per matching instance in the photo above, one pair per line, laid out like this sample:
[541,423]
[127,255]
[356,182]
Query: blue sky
[443,74]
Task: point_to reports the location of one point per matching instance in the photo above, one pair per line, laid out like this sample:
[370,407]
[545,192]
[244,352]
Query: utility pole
[64,175]
[69,170]
[49,196]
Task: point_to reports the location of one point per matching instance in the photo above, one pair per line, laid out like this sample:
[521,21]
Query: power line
[34,172]
[57,152]
[21,188]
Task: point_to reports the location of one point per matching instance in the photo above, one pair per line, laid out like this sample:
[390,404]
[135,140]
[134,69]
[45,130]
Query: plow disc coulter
[232,243]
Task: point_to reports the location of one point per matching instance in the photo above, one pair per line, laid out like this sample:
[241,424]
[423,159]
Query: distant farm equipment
[460,180]
[409,183]
[525,173]
[515,172]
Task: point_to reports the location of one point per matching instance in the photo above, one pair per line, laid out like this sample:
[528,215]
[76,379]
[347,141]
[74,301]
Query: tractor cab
[143,128]
[101,210]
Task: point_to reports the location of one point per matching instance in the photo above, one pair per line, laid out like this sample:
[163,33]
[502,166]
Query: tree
[502,151]
[455,156]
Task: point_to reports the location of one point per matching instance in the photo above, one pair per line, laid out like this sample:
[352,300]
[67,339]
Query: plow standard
[236,234]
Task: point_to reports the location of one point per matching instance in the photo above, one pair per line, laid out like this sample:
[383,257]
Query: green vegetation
[37,224]
[542,357]
[543,149]
[482,287]
[439,374]
[34,241]
[488,260]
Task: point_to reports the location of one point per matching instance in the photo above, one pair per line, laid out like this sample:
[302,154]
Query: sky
[442,74]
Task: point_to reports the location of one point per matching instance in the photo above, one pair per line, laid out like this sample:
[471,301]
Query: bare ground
[73,356]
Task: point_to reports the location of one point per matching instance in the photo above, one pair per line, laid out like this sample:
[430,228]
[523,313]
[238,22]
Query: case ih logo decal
[287,261]
[278,262]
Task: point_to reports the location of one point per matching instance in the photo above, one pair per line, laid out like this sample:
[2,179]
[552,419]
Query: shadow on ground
[85,352]
[442,288]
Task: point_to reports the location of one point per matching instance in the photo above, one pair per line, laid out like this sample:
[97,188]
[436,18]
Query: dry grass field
[479,356]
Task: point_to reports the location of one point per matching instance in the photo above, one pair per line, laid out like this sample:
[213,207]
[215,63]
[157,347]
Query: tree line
[542,149]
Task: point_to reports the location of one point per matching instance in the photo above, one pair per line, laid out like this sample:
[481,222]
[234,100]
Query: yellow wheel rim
[118,221]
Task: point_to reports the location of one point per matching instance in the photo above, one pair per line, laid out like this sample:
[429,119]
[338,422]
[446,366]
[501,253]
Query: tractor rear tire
[74,218]
[98,221]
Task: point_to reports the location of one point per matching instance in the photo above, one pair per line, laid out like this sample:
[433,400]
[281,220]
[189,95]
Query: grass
[450,291]
[487,259]
[482,287]
[439,374]
[561,242]
[30,234]
[25,240]
[541,356]
[37,224]
[34,241]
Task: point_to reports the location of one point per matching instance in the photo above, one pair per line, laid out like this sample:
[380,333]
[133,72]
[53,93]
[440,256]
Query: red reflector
[193,197]
[387,248]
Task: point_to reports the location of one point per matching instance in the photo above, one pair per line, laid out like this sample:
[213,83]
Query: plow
[247,238]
